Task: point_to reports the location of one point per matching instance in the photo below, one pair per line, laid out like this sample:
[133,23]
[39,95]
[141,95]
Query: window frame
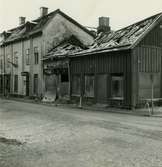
[1,63]
[27,57]
[35,84]
[78,92]
[85,85]
[16,83]
[120,79]
[15,58]
[8,60]
[36,55]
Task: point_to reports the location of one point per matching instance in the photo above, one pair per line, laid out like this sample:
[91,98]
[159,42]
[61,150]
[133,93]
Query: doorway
[25,76]
[101,88]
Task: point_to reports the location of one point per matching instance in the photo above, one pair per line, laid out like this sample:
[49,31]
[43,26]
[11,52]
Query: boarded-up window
[36,84]
[76,85]
[117,87]
[16,83]
[145,85]
[89,85]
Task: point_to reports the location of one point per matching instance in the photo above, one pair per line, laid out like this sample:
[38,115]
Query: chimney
[43,11]
[21,20]
[103,25]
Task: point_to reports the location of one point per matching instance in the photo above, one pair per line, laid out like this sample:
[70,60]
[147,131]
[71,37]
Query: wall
[17,47]
[106,63]
[148,55]
[60,28]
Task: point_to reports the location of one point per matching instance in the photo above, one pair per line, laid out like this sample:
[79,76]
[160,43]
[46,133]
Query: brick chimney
[43,11]
[21,20]
[103,25]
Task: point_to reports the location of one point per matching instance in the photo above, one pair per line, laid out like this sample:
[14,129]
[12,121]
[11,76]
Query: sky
[121,12]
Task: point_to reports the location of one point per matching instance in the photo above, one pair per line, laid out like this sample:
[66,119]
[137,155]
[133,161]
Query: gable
[60,28]
[154,37]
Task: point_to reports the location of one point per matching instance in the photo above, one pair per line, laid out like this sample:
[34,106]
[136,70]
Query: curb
[101,109]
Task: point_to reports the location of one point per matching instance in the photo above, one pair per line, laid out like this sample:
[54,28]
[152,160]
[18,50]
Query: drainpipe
[152,93]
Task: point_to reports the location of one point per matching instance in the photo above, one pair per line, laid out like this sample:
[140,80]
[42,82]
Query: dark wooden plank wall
[149,52]
[106,63]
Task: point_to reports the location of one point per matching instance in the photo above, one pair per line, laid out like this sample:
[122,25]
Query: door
[7,84]
[26,85]
[101,88]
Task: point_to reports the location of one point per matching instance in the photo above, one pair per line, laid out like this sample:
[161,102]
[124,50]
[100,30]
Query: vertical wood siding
[149,54]
[106,63]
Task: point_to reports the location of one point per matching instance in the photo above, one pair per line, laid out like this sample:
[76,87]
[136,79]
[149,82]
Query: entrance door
[26,85]
[101,87]
[7,84]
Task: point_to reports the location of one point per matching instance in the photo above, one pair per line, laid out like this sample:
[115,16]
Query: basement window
[117,87]
[89,85]
[76,85]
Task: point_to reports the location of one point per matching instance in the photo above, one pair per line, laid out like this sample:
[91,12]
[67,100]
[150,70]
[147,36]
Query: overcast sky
[86,12]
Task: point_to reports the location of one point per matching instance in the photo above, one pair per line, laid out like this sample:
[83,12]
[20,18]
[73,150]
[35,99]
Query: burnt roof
[124,38]
[35,27]
[65,48]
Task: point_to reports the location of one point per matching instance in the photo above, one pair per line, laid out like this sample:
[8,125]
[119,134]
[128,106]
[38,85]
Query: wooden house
[122,68]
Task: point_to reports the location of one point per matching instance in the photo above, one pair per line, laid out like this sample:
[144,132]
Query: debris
[10,141]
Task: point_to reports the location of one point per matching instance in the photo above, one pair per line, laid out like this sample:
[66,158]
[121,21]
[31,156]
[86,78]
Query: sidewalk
[92,107]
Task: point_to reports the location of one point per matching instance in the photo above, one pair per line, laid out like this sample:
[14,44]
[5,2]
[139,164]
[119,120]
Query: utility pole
[152,93]
[4,88]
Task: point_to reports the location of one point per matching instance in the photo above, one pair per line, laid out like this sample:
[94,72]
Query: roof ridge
[147,18]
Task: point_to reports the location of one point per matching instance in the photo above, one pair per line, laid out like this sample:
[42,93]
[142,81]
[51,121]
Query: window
[117,86]
[76,85]
[64,78]
[1,84]
[36,55]
[16,83]
[15,58]
[36,84]
[27,56]
[1,63]
[8,61]
[89,85]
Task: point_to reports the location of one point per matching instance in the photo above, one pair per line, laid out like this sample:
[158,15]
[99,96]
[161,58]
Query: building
[23,48]
[122,68]
[57,68]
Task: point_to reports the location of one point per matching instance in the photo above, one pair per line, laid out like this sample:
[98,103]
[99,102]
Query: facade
[122,68]
[23,48]
[56,66]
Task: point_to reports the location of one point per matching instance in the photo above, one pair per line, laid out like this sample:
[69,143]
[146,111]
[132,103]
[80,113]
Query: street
[33,135]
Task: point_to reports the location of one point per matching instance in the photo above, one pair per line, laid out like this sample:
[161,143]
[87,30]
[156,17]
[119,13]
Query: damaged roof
[124,38]
[67,47]
[36,26]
